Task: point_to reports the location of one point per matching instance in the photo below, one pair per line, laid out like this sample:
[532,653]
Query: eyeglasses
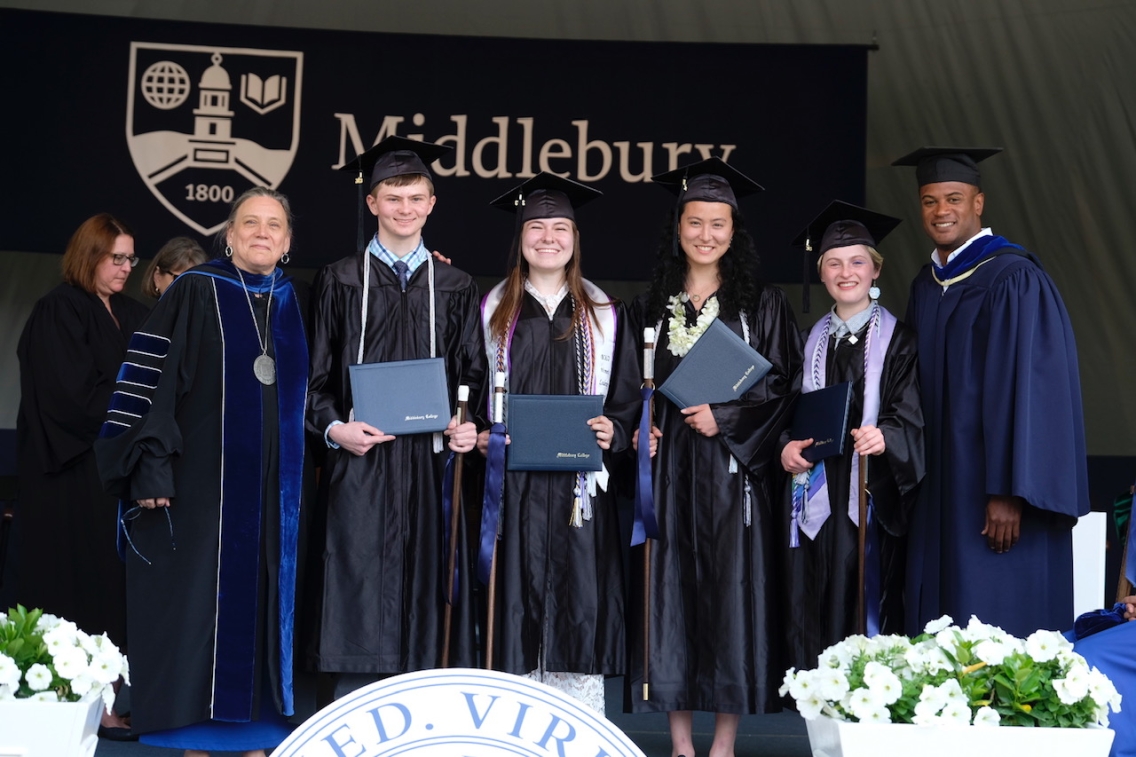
[119,258]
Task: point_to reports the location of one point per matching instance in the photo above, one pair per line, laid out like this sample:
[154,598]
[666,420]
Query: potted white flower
[944,693]
[53,680]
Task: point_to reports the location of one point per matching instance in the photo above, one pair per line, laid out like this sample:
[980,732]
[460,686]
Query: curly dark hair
[739,271]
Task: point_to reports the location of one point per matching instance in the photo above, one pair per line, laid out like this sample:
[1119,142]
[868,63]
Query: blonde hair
[877,258]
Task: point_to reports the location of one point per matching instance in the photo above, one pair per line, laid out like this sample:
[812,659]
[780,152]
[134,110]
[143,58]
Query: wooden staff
[649,382]
[455,522]
[861,600]
[498,417]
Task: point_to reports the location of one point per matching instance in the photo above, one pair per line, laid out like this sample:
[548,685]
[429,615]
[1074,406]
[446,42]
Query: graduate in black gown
[560,589]
[714,625]
[204,444]
[69,352]
[1006,467]
[860,342]
[380,580]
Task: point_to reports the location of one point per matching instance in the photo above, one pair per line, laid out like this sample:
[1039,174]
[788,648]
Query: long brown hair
[91,242]
[514,293]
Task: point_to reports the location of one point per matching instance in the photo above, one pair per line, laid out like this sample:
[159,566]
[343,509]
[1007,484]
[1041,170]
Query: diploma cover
[823,416]
[549,432]
[720,367]
[402,396]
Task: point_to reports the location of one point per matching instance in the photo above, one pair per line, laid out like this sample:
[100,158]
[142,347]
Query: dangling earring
[285,259]
[228,251]
[874,291]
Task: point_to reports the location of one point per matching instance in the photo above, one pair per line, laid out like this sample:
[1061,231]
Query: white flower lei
[681,338]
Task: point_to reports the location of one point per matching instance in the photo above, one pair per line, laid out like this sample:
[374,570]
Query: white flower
[38,677]
[864,702]
[952,690]
[987,716]
[1102,691]
[62,636]
[1042,646]
[879,715]
[810,707]
[991,651]
[70,662]
[831,684]
[948,639]
[83,685]
[883,682]
[933,627]
[680,338]
[44,696]
[803,685]
[6,692]
[956,712]
[790,674]
[47,621]
[1074,686]
[9,671]
[106,666]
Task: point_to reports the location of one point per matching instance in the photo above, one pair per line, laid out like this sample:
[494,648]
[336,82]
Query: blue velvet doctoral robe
[1111,651]
[1002,406]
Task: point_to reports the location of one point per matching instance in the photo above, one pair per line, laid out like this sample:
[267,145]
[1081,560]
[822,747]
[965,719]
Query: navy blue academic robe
[1002,405]
[1111,651]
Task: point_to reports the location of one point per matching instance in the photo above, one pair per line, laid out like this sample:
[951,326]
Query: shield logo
[206,123]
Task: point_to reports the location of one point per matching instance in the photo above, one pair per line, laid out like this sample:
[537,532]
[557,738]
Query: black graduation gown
[822,574]
[69,352]
[381,589]
[204,601]
[560,587]
[715,626]
[1002,403]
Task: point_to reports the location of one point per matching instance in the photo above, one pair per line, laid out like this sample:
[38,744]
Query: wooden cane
[861,599]
[498,417]
[649,382]
[455,522]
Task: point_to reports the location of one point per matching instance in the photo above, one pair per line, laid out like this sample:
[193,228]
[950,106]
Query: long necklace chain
[264,367]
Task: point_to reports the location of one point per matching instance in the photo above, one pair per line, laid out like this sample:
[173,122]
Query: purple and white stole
[811,506]
[602,331]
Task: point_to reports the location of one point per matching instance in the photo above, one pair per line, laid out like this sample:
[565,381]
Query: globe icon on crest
[165,85]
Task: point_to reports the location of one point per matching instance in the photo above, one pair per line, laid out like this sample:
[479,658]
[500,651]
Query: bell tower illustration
[212,143]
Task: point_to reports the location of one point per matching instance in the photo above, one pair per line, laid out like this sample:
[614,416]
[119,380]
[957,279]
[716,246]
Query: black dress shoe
[111,733]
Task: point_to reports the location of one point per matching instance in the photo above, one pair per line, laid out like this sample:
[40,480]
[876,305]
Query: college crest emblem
[204,124]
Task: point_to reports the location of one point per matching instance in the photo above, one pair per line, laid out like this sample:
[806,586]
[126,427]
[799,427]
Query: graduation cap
[841,224]
[394,156]
[938,164]
[543,196]
[710,180]
[546,196]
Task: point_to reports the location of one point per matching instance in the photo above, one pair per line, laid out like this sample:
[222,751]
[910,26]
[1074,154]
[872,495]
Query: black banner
[162,123]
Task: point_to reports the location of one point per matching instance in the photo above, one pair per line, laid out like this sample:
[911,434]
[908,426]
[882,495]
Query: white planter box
[49,729]
[837,738]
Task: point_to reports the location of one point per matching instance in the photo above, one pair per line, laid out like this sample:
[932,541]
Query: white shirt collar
[986,232]
[550,302]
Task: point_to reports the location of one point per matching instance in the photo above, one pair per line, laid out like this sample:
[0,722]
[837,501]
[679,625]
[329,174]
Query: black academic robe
[69,352]
[822,575]
[1002,404]
[715,624]
[380,582]
[561,588]
[211,589]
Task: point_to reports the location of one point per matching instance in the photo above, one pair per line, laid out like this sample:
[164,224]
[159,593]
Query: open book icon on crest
[264,95]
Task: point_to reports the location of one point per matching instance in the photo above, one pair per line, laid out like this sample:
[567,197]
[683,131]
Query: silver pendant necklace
[264,367]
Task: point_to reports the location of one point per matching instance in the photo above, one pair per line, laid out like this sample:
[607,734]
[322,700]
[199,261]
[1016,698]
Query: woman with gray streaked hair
[176,256]
[204,437]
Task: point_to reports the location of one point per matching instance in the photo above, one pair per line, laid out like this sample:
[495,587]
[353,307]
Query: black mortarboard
[711,180]
[394,156]
[937,164]
[841,224]
[546,196]
[543,196]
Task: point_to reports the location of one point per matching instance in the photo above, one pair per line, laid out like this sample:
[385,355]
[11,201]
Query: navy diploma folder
[401,396]
[720,367]
[550,432]
[823,417]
